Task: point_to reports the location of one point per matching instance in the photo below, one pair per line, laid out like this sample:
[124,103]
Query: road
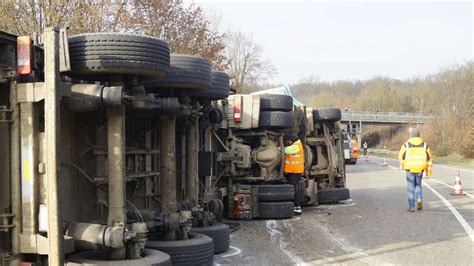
[373,227]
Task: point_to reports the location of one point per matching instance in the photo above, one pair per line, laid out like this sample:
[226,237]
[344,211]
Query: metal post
[52,148]
[15,168]
[29,162]
[116,163]
[116,172]
[168,163]
[360,132]
[168,167]
[208,148]
[192,177]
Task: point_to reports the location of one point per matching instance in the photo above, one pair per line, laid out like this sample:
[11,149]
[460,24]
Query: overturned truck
[100,139]
[115,151]
[247,155]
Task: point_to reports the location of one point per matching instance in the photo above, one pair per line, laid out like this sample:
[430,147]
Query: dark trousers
[294,179]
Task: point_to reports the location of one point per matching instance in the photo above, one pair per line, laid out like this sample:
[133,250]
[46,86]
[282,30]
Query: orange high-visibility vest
[294,163]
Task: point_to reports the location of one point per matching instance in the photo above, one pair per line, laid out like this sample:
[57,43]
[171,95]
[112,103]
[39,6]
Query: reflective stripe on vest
[295,155]
[294,163]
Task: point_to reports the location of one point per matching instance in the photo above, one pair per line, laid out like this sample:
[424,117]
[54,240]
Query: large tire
[219,89]
[101,257]
[276,102]
[276,210]
[94,54]
[333,195]
[269,193]
[276,119]
[185,72]
[327,115]
[197,250]
[220,234]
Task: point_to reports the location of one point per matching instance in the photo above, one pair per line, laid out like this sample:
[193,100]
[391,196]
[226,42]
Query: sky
[352,40]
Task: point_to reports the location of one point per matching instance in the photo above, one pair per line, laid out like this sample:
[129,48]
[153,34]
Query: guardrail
[382,117]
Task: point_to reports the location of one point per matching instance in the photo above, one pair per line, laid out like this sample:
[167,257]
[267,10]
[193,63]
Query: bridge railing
[386,117]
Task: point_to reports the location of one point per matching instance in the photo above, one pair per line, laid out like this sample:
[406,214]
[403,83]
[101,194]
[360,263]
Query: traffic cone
[457,185]
[385,162]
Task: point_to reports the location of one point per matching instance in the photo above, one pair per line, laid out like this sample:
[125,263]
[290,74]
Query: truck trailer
[100,143]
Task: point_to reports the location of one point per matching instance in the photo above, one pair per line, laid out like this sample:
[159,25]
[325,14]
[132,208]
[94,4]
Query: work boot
[419,205]
[411,209]
[298,210]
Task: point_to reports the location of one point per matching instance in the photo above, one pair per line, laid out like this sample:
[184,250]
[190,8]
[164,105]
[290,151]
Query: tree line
[186,28]
[448,94]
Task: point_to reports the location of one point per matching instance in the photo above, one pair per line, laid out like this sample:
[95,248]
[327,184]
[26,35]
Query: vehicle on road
[100,143]
[351,148]
[114,149]
[249,146]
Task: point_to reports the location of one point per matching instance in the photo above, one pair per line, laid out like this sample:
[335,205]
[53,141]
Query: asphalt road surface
[373,227]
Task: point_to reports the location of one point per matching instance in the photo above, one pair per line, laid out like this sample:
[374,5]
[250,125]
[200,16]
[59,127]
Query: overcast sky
[353,40]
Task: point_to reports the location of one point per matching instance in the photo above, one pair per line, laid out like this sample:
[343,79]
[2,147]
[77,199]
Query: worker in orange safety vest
[416,159]
[294,168]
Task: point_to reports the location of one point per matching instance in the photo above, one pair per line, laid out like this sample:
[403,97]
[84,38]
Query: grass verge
[455,160]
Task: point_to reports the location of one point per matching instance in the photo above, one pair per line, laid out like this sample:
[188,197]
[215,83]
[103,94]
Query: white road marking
[353,253]
[442,183]
[236,252]
[278,236]
[455,212]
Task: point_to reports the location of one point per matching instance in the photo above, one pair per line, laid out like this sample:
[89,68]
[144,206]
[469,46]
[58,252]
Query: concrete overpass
[355,119]
[381,118]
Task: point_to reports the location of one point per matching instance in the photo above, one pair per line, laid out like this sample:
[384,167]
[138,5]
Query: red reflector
[26,264]
[237,114]
[24,47]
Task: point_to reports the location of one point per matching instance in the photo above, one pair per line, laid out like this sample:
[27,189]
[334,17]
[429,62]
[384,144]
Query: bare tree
[27,17]
[185,28]
[247,65]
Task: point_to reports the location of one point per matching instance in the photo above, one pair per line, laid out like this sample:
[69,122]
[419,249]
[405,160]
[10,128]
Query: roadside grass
[455,160]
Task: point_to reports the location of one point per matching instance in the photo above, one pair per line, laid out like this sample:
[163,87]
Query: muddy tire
[276,210]
[101,257]
[276,119]
[327,115]
[269,193]
[94,55]
[333,195]
[219,89]
[220,234]
[216,116]
[197,250]
[186,72]
[276,102]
